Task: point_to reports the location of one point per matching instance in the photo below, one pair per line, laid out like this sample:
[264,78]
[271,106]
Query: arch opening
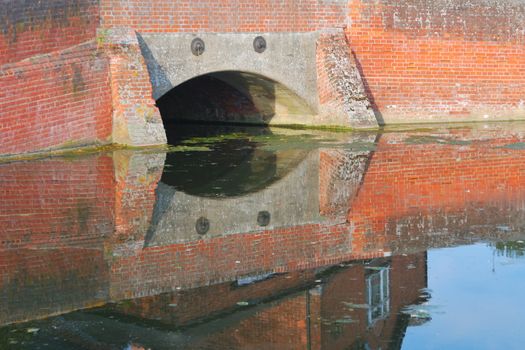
[236,159]
[233,97]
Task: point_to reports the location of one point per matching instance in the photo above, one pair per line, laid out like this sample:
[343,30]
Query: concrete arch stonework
[295,61]
[315,68]
[289,59]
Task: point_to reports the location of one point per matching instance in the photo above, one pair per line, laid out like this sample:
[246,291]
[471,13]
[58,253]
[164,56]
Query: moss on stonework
[102,37]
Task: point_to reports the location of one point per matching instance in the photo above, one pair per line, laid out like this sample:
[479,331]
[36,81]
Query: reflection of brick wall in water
[281,325]
[56,203]
[432,179]
[190,306]
[407,278]
[37,283]
[60,202]
[340,175]
[209,261]
[58,220]
[136,178]
[328,162]
[54,217]
[306,319]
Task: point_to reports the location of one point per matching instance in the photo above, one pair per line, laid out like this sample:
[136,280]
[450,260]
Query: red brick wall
[161,269]
[420,60]
[57,100]
[29,28]
[437,60]
[223,16]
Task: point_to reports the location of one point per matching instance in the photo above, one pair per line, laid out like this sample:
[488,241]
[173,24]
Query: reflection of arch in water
[268,189]
[235,165]
[291,201]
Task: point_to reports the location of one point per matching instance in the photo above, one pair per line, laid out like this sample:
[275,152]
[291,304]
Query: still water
[254,238]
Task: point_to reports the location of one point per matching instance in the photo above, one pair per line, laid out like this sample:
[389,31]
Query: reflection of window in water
[378,293]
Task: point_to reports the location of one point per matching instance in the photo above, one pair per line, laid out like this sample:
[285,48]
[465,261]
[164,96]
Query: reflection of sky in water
[477,308]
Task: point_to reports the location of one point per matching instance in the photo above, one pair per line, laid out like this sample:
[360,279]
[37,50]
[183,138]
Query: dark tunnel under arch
[233,97]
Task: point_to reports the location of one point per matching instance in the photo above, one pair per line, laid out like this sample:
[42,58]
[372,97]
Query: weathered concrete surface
[282,81]
[136,120]
[342,95]
[289,59]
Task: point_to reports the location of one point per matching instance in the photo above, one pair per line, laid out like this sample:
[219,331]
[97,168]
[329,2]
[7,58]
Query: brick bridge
[88,72]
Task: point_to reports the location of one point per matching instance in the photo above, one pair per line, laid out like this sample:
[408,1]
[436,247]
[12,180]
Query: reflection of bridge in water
[316,309]
[77,233]
[84,232]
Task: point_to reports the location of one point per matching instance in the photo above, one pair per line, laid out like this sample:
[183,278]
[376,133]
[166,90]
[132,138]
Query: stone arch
[286,70]
[314,67]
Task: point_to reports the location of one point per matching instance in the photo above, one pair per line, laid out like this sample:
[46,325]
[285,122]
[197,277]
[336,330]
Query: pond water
[258,238]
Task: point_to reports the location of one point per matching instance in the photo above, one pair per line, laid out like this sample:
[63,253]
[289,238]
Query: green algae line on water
[515,146]
[277,142]
[184,148]
[430,139]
